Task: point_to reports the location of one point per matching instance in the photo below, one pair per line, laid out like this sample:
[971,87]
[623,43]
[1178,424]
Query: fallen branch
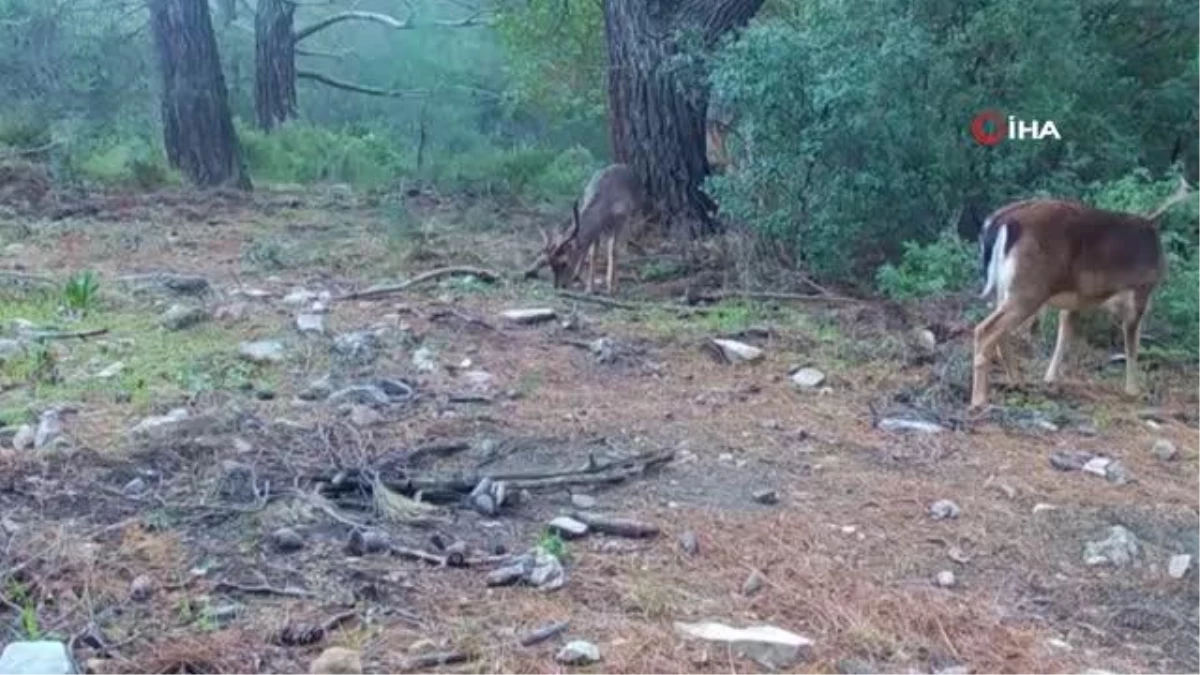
[631,305]
[359,88]
[717,296]
[24,152]
[381,291]
[67,335]
[262,589]
[422,663]
[25,277]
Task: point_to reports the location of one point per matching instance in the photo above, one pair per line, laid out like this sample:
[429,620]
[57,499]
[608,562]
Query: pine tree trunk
[274,63]
[657,109]
[197,126]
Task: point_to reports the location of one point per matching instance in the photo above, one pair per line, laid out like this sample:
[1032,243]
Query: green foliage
[121,160]
[944,265]
[532,173]
[858,115]
[29,624]
[552,544]
[556,57]
[304,153]
[24,132]
[81,291]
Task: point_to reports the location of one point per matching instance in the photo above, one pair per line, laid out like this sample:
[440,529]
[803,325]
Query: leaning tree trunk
[274,63]
[197,126]
[656,108]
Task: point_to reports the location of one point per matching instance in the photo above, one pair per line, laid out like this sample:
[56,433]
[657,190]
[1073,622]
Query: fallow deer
[612,201]
[1071,257]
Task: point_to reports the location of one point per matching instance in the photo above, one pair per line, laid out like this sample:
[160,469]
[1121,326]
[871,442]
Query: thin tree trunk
[274,63]
[197,127]
[657,110]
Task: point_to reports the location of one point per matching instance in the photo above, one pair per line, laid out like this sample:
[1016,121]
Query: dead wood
[424,662]
[630,305]
[382,291]
[543,633]
[67,335]
[262,589]
[436,449]
[717,296]
[621,527]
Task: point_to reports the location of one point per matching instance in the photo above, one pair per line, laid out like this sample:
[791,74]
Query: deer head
[559,251]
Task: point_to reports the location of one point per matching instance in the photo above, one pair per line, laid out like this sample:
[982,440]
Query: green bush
[303,153]
[532,173]
[945,265]
[121,161]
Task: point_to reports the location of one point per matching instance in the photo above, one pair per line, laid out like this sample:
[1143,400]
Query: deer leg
[1132,326]
[988,333]
[591,273]
[1060,345]
[612,265]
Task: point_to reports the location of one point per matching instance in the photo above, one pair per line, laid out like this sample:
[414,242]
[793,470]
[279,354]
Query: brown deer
[1072,257]
[613,198]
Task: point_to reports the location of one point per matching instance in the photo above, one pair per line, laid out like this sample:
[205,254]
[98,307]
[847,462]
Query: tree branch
[389,21]
[358,88]
[316,53]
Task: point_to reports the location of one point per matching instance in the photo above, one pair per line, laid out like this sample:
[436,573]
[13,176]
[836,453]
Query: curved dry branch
[389,21]
[358,88]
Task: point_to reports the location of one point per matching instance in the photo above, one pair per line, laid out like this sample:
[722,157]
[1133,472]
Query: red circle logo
[988,127]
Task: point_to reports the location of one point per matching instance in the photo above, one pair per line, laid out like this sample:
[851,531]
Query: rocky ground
[216,461]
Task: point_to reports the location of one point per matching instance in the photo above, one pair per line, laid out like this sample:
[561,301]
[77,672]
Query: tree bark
[657,108]
[197,126]
[274,63]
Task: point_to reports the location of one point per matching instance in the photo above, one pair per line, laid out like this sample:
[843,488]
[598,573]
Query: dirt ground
[156,553]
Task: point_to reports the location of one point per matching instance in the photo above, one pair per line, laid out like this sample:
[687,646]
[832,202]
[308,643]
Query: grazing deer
[1072,257]
[612,199]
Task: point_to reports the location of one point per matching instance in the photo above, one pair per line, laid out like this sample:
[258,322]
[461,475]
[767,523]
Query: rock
[424,360]
[1164,450]
[363,416]
[769,646]
[854,667]
[925,340]
[543,633]
[397,390]
[361,394]
[508,575]
[807,378]
[232,312]
[49,428]
[954,669]
[42,657]
[110,371]
[184,284]
[366,542]
[1119,549]
[526,317]
[141,588]
[737,352]
[1070,460]
[286,540]
[179,317]
[485,504]
[310,322]
[134,487]
[957,555]
[753,583]
[547,573]
[1179,565]
[1097,466]
[945,579]
[689,543]
[358,348]
[11,349]
[582,501]
[766,496]
[944,509]
[479,380]
[261,351]
[577,653]
[1117,474]
[299,296]
[161,425]
[567,527]
[23,439]
[317,390]
[621,527]
[337,661]
[903,425]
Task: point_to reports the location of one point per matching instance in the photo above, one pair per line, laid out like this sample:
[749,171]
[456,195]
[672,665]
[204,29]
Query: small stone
[262,351]
[547,572]
[23,439]
[1119,549]
[527,317]
[1179,565]
[363,416]
[766,496]
[49,428]
[854,667]
[903,425]
[41,657]
[737,352]
[396,390]
[299,296]
[11,349]
[134,487]
[1043,506]
[769,646]
[424,360]
[577,653]
[807,378]
[359,348]
[567,527]
[110,371]
[479,380]
[310,322]
[366,542]
[689,543]
[753,583]
[337,661]
[142,588]
[507,575]
[484,504]
[955,669]
[317,389]
[1117,474]
[1164,450]
[1097,466]
[286,540]
[957,555]
[944,509]
[925,339]
[945,579]
[180,317]
[582,501]
[232,312]
[1070,460]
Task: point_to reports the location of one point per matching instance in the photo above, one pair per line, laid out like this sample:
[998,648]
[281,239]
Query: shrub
[944,265]
[303,153]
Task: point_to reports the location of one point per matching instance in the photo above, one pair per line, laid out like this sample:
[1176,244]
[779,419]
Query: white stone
[1179,565]
[807,378]
[528,316]
[738,352]
[769,646]
[578,652]
[567,527]
[43,657]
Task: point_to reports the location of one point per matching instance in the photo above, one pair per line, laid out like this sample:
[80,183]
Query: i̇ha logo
[991,126]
